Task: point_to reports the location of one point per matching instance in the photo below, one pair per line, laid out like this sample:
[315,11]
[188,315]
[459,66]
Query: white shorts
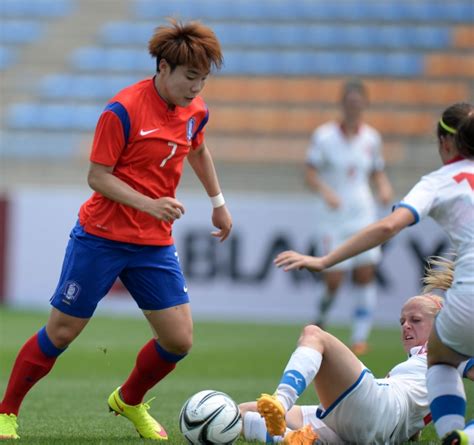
[368,412]
[326,434]
[455,322]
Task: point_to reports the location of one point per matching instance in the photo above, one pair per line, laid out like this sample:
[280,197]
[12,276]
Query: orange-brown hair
[192,44]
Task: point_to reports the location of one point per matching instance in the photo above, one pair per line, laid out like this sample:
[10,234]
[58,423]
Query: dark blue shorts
[92,264]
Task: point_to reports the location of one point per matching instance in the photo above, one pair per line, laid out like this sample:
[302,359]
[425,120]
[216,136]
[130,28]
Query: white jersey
[447,195]
[345,164]
[382,411]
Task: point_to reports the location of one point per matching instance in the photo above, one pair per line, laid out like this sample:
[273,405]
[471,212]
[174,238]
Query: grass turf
[69,405]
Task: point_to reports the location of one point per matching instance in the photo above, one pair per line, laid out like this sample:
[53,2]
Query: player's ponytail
[439,274]
[465,136]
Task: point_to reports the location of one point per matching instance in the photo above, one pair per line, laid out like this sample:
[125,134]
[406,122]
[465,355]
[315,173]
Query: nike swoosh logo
[185,289]
[145,132]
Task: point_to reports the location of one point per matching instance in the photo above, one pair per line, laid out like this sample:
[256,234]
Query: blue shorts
[92,264]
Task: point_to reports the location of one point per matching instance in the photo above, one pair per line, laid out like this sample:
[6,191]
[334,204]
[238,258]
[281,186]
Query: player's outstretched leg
[8,427]
[271,409]
[146,425]
[303,436]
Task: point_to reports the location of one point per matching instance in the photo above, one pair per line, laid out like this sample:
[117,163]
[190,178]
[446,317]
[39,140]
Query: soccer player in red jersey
[125,229]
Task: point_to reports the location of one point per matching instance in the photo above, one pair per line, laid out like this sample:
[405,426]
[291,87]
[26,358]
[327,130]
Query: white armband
[218,200]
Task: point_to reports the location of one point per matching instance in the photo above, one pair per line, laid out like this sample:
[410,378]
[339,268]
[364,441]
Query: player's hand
[165,209]
[291,260]
[223,221]
[332,200]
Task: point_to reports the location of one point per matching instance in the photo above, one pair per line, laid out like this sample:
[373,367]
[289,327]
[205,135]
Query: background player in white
[344,158]
[447,195]
[395,408]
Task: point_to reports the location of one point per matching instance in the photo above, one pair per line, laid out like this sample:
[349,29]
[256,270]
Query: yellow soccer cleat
[270,408]
[147,426]
[8,427]
[456,437]
[303,436]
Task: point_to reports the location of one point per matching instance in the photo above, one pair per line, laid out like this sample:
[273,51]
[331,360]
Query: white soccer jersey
[447,195]
[382,411]
[345,164]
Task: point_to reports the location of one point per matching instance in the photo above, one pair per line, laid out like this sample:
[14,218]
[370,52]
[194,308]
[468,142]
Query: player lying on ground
[354,406]
[447,195]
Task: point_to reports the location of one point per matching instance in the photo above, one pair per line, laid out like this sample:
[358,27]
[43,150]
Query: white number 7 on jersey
[173,151]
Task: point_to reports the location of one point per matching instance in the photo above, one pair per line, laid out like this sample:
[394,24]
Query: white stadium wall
[232,280]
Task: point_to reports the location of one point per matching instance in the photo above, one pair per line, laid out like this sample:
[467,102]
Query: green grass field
[69,405]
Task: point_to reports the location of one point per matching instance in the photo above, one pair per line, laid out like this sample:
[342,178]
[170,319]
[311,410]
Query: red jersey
[146,143]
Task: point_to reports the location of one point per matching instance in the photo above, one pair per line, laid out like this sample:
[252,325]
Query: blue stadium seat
[36,8]
[35,116]
[40,146]
[70,86]
[455,11]
[19,32]
[7,57]
[295,35]
[265,62]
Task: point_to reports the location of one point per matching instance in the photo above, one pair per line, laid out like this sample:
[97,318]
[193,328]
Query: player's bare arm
[383,186]
[201,161]
[317,185]
[369,237]
[102,180]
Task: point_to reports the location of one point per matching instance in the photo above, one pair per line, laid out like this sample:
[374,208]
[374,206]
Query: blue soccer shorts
[152,274]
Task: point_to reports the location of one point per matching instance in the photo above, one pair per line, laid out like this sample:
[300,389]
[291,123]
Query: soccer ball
[210,417]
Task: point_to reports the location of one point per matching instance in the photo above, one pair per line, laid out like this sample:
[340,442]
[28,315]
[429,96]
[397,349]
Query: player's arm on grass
[102,180]
[371,236]
[201,162]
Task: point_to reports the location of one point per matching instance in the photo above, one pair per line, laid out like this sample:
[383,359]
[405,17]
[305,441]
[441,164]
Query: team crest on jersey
[190,128]
[71,291]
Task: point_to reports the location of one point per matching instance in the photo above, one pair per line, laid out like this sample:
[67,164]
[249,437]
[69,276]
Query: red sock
[152,365]
[30,366]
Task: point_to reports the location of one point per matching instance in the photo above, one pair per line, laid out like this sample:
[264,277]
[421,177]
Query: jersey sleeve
[198,137]
[315,154]
[110,135]
[420,198]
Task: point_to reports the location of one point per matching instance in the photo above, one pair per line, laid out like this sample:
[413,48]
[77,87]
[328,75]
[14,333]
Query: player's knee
[311,335]
[62,336]
[180,346]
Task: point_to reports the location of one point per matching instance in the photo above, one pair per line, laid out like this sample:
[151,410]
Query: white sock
[447,398]
[365,300]
[300,371]
[255,429]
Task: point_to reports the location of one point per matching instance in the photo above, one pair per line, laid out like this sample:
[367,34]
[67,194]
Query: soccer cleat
[270,408]
[146,426]
[360,348]
[8,427]
[456,437]
[303,436]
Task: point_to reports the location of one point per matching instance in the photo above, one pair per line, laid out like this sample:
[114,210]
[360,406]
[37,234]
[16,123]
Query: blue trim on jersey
[46,345]
[469,365]
[201,125]
[168,356]
[122,113]
[447,405]
[268,438]
[320,414]
[412,210]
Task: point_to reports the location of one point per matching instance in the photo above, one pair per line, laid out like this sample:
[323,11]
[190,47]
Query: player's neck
[350,127]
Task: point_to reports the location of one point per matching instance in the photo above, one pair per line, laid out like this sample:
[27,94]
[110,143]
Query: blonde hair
[439,274]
